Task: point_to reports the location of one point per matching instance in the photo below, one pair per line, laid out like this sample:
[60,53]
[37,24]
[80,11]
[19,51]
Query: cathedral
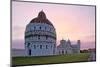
[66,47]
[40,39]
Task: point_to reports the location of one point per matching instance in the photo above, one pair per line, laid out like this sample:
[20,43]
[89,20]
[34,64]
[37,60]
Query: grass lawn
[50,59]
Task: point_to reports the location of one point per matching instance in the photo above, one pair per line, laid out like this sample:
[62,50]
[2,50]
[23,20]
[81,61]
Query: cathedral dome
[41,18]
[41,24]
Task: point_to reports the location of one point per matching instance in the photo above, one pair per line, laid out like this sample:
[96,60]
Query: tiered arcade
[40,36]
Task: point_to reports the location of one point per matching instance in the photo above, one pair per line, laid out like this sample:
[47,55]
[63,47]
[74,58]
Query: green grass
[50,59]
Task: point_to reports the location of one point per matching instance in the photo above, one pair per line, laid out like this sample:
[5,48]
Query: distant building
[66,47]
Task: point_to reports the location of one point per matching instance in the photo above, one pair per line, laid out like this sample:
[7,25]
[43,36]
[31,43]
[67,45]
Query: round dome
[41,19]
[41,26]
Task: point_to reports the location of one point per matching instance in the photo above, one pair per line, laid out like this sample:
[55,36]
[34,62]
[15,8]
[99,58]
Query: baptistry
[40,36]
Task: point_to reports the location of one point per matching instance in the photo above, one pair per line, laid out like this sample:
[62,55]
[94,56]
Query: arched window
[62,52]
[39,37]
[40,46]
[46,46]
[30,52]
[28,44]
[34,27]
[40,28]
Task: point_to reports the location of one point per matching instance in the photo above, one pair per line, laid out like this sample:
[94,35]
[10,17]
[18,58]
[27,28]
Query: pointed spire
[42,15]
[42,10]
[68,40]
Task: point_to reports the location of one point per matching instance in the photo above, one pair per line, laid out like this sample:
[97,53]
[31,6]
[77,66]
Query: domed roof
[41,19]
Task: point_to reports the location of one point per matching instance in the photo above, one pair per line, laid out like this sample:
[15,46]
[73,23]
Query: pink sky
[71,21]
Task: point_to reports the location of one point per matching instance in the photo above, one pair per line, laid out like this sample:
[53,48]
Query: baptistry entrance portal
[29,52]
